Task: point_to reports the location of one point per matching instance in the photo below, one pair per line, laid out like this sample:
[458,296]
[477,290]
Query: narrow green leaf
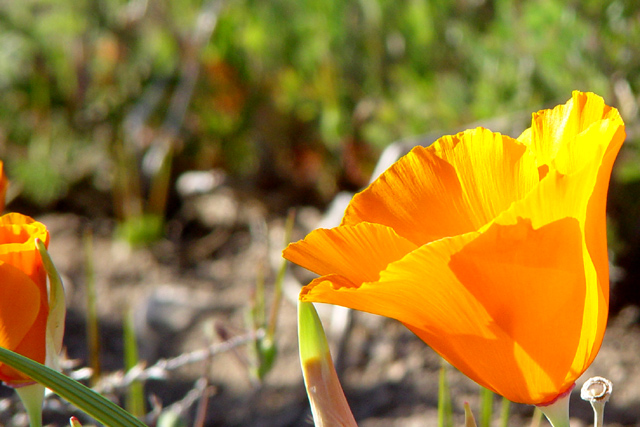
[57,308]
[135,402]
[329,405]
[311,337]
[504,412]
[536,419]
[486,407]
[85,399]
[445,409]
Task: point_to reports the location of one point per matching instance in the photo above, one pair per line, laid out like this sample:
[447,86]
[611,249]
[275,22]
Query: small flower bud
[596,389]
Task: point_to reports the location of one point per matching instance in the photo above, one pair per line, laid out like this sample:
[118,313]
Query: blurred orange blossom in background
[491,249]
[24,307]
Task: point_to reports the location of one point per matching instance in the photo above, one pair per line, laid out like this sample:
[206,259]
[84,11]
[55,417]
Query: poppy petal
[358,252]
[581,195]
[455,186]
[19,307]
[490,303]
[18,228]
[553,135]
[595,223]
[33,346]
[18,233]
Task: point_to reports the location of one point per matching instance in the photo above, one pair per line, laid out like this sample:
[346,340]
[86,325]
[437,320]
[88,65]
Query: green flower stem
[32,396]
[557,412]
[329,406]
[598,413]
[504,412]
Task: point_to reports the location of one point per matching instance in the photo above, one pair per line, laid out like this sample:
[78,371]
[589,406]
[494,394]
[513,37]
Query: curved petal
[489,303]
[24,279]
[359,252]
[16,228]
[595,222]
[33,346]
[17,234]
[557,136]
[580,193]
[415,300]
[19,307]
[456,185]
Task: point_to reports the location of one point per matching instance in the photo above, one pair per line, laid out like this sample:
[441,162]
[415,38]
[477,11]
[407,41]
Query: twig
[162,367]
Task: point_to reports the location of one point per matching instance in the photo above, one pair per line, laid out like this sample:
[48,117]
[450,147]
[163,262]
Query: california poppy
[24,306]
[490,249]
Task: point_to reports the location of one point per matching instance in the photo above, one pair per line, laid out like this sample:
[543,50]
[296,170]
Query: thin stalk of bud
[597,391]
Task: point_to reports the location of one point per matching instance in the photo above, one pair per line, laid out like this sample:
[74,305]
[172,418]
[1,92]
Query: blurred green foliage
[308,90]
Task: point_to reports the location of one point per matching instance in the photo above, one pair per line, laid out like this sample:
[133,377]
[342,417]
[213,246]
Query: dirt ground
[194,289]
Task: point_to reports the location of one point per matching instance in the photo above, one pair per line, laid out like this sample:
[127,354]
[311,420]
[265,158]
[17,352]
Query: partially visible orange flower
[4,184]
[24,306]
[491,249]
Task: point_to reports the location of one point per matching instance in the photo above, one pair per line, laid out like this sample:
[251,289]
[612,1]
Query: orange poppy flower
[24,307]
[491,249]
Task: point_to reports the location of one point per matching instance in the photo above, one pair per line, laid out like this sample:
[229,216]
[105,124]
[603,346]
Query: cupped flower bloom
[24,305]
[491,249]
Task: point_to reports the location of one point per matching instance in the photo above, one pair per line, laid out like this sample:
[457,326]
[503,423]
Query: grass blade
[504,412]
[135,403]
[486,407]
[85,399]
[445,409]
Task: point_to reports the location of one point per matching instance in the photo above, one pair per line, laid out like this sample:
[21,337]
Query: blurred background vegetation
[105,104]
[118,98]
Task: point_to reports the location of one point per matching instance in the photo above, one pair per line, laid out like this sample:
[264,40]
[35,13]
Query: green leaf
[311,337]
[328,403]
[486,407]
[135,402]
[445,408]
[57,308]
[85,399]
[504,412]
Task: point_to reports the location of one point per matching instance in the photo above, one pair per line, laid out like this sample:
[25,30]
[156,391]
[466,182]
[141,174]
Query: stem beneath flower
[557,412]
[32,396]
[598,414]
